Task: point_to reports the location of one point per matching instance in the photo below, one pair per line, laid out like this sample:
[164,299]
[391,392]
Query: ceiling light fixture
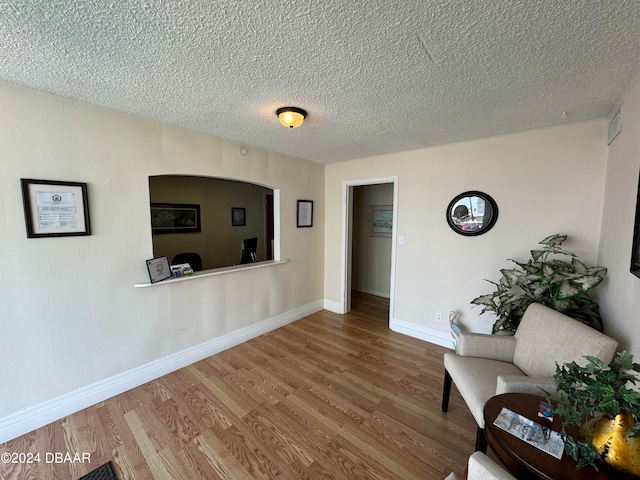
[291,117]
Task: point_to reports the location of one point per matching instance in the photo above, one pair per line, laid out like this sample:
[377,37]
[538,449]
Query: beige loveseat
[488,365]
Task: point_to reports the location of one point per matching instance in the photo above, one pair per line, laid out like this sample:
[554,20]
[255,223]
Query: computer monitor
[248,250]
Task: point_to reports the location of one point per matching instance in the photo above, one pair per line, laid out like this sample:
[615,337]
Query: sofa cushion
[476,379]
[546,337]
[495,347]
[482,467]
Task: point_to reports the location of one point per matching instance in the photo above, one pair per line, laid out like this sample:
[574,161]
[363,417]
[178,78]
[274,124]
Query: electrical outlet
[438,317]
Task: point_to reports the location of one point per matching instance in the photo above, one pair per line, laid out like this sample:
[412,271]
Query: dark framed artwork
[175,218]
[54,208]
[305,213]
[635,249]
[238,216]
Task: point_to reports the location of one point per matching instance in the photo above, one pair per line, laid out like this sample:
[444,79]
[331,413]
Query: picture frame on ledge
[305,214]
[158,269]
[55,208]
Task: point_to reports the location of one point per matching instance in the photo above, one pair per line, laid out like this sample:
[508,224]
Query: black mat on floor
[105,472]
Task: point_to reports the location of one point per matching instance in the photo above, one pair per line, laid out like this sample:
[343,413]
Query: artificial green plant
[595,388]
[546,279]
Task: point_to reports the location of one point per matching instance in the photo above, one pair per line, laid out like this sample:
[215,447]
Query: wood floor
[327,397]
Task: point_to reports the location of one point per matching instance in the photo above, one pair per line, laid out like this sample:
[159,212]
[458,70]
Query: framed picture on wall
[55,209]
[175,218]
[238,216]
[380,220]
[305,213]
[635,252]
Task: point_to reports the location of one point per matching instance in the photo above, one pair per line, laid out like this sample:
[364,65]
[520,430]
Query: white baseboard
[427,334]
[40,415]
[372,292]
[333,307]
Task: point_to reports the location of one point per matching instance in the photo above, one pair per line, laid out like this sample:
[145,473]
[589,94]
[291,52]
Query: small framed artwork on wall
[305,213]
[238,216]
[635,252]
[380,220]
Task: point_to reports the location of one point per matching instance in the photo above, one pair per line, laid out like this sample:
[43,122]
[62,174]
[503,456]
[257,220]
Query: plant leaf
[623,360]
[536,255]
[560,251]
[529,267]
[568,289]
[555,239]
[588,282]
[512,276]
[486,300]
[547,270]
[578,266]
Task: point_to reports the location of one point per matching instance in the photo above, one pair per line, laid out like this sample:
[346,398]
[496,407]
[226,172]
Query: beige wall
[545,181]
[70,313]
[619,295]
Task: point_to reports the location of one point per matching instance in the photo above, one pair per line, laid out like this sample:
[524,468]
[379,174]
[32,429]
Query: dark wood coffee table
[526,461]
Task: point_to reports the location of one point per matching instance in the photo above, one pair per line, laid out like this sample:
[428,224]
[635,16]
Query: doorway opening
[369,234]
[373,308]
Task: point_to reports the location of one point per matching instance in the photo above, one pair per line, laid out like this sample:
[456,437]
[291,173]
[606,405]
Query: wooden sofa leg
[481,441]
[446,391]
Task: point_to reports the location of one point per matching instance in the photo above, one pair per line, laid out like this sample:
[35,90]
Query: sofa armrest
[482,467]
[522,384]
[492,347]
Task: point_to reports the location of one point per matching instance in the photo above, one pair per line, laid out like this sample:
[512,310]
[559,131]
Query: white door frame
[345,277]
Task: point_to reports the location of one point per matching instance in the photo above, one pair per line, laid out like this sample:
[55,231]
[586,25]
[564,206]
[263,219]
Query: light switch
[401,240]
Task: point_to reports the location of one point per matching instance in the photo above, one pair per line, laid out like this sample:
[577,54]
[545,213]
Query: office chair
[191,258]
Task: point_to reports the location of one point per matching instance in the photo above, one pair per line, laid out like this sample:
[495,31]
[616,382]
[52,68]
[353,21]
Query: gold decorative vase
[609,437]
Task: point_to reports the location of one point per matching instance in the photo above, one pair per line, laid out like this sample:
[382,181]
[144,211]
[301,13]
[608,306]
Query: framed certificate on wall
[305,213]
[55,209]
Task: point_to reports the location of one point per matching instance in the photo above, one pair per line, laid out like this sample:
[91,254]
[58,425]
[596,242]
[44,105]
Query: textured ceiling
[376,76]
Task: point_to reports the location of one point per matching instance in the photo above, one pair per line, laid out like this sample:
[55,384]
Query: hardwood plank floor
[327,397]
